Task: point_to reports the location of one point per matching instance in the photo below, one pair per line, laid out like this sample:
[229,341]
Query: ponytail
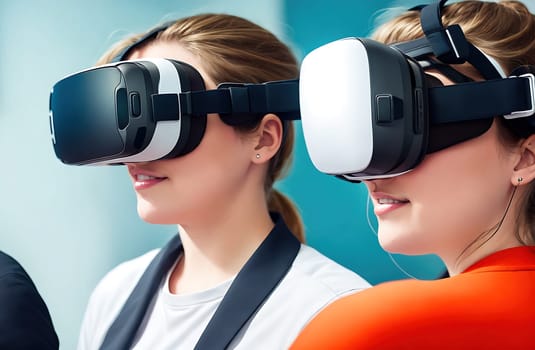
[283,205]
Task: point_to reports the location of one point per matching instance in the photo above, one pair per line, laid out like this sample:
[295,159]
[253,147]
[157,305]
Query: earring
[519,180]
[258,156]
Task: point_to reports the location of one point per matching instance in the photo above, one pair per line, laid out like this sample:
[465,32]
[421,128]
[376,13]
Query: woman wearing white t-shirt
[221,196]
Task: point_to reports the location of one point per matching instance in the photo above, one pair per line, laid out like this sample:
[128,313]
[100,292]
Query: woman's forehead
[175,51]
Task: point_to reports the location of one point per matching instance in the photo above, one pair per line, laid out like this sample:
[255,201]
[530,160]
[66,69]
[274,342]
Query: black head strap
[145,38]
[448,44]
[236,103]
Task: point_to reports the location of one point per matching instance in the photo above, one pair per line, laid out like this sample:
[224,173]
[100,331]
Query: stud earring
[258,156]
[520,179]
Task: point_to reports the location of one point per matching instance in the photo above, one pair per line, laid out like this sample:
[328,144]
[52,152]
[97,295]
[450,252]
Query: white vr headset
[368,110]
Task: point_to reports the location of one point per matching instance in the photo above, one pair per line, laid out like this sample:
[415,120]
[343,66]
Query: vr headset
[143,110]
[369,110]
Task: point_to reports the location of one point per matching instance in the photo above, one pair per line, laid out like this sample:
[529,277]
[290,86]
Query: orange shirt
[491,305]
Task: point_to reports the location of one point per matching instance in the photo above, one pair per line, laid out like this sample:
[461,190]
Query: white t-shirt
[177,321]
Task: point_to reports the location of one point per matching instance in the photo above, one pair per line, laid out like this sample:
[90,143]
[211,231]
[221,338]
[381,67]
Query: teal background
[68,226]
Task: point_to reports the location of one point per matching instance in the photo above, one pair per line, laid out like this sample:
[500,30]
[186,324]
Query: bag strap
[251,287]
[253,284]
[122,332]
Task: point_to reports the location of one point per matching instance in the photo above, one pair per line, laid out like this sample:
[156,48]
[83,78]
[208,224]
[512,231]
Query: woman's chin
[160,216]
[397,243]
[152,216]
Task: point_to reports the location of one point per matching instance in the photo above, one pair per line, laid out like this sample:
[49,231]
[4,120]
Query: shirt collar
[516,258]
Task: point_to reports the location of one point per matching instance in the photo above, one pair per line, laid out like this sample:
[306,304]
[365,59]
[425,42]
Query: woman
[221,195]
[472,204]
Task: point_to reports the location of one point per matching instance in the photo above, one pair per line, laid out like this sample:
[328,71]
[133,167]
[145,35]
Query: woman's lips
[142,181]
[385,203]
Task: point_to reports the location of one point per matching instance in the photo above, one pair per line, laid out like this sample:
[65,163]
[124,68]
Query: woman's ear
[268,138]
[524,171]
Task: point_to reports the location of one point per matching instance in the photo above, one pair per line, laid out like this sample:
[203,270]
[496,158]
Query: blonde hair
[234,49]
[504,30]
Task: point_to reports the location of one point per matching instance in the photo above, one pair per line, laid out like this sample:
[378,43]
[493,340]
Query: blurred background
[68,226]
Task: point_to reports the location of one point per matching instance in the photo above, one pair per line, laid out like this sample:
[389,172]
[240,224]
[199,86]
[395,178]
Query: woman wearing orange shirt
[471,203]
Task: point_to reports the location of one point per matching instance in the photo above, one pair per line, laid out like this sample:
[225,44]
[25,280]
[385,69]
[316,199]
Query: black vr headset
[368,110]
[143,110]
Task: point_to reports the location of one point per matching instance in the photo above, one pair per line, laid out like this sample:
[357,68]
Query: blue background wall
[69,225]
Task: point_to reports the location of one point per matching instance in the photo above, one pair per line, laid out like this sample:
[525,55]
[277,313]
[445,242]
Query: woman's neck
[216,250]
[472,256]
[496,238]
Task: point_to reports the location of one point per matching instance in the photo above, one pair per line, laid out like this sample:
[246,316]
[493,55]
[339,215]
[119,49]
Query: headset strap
[253,284]
[123,54]
[480,100]
[278,97]
[448,44]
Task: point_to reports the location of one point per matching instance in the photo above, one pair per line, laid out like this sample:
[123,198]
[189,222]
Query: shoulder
[315,281]
[312,282]
[398,300]
[24,320]
[128,270]
[15,283]
[108,297]
[13,278]
[424,314]
[385,314]
[8,265]
[312,267]
[117,284]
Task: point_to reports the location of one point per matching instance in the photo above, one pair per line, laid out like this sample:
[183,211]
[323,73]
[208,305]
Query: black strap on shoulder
[253,284]
[122,332]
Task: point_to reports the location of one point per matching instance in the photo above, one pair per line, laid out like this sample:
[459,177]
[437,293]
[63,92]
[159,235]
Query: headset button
[135,104]
[385,108]
[419,112]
